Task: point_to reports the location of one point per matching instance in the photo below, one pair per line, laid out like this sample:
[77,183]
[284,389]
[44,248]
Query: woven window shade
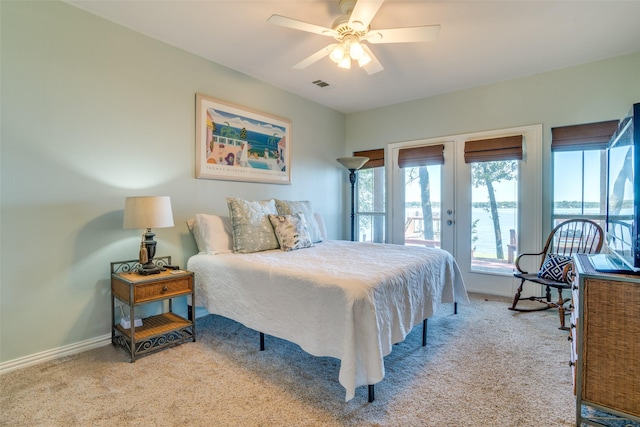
[590,136]
[493,149]
[421,156]
[376,158]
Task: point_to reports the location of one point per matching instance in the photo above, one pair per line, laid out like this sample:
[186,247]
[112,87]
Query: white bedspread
[347,300]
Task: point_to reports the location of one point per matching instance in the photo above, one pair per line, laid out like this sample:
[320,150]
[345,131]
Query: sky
[568,173]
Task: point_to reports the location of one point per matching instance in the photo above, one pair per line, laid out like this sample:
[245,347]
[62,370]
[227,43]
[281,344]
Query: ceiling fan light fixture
[356,51]
[353,28]
[338,53]
[345,62]
[364,59]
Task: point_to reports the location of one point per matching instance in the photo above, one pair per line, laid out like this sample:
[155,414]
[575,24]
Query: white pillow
[287,207]
[212,233]
[321,226]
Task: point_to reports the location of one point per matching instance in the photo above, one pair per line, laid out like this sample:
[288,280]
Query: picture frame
[235,143]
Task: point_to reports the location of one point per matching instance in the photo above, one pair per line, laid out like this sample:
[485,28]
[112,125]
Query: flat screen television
[623,194]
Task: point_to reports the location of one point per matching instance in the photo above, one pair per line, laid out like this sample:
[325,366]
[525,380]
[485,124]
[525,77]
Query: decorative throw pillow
[252,230]
[212,233]
[554,266]
[286,207]
[291,231]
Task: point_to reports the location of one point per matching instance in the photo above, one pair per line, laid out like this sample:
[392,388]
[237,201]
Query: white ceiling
[480,42]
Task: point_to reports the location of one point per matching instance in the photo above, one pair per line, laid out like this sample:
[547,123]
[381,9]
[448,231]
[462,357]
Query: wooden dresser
[605,346]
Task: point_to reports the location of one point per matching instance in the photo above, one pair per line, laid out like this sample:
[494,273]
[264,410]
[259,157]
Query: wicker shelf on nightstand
[133,289]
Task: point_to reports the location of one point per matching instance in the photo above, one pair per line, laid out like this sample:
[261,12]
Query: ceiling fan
[350,30]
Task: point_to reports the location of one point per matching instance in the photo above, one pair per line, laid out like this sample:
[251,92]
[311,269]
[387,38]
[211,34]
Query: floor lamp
[353,164]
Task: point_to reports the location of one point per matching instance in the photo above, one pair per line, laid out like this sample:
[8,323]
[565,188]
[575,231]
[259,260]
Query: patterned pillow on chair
[554,266]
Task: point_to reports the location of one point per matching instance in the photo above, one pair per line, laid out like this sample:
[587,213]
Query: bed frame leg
[372,393]
[261,341]
[424,332]
[455,308]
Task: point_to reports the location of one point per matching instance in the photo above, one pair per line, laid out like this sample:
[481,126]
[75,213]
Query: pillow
[251,228]
[291,231]
[288,207]
[553,267]
[321,226]
[212,233]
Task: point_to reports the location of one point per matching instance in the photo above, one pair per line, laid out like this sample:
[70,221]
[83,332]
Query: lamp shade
[353,163]
[148,212]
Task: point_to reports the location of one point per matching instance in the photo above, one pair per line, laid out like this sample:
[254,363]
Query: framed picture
[238,144]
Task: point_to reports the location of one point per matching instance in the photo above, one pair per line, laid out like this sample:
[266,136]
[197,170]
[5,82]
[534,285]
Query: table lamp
[353,164]
[148,212]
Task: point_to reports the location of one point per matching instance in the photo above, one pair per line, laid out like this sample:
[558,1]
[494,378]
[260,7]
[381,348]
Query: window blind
[493,149]
[421,156]
[590,136]
[376,158]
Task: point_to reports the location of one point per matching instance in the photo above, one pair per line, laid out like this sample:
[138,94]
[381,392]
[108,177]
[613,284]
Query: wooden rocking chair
[571,237]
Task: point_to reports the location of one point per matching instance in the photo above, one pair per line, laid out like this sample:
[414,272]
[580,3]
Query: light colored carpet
[485,366]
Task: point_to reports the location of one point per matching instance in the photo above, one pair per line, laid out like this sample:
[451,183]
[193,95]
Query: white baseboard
[55,353]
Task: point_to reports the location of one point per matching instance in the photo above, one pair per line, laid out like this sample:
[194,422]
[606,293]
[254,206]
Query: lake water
[485,245]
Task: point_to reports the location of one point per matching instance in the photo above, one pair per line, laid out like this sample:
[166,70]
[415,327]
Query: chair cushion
[554,266]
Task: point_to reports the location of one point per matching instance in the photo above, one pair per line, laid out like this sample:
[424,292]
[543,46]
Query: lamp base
[150,245]
[149,268]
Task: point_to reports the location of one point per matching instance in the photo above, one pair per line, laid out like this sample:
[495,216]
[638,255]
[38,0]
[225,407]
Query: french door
[449,205]
[422,199]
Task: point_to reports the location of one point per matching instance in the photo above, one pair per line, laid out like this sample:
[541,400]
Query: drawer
[574,317]
[575,299]
[573,338]
[164,289]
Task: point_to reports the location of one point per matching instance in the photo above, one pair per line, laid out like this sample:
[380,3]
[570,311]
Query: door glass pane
[494,216]
[370,206]
[422,206]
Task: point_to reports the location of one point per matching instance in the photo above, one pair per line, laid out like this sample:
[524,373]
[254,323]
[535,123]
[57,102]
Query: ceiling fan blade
[363,13]
[424,33]
[283,21]
[315,57]
[374,66]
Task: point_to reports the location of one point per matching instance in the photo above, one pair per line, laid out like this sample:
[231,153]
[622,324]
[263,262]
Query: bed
[347,300]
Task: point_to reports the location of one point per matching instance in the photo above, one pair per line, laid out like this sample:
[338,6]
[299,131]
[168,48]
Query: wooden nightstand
[159,331]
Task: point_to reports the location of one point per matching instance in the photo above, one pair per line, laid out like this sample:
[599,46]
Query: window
[370,215]
[422,167]
[579,171]
[579,182]
[494,215]
[422,205]
[494,202]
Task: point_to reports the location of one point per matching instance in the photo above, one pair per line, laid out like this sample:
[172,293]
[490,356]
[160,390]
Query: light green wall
[92,113]
[593,92]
